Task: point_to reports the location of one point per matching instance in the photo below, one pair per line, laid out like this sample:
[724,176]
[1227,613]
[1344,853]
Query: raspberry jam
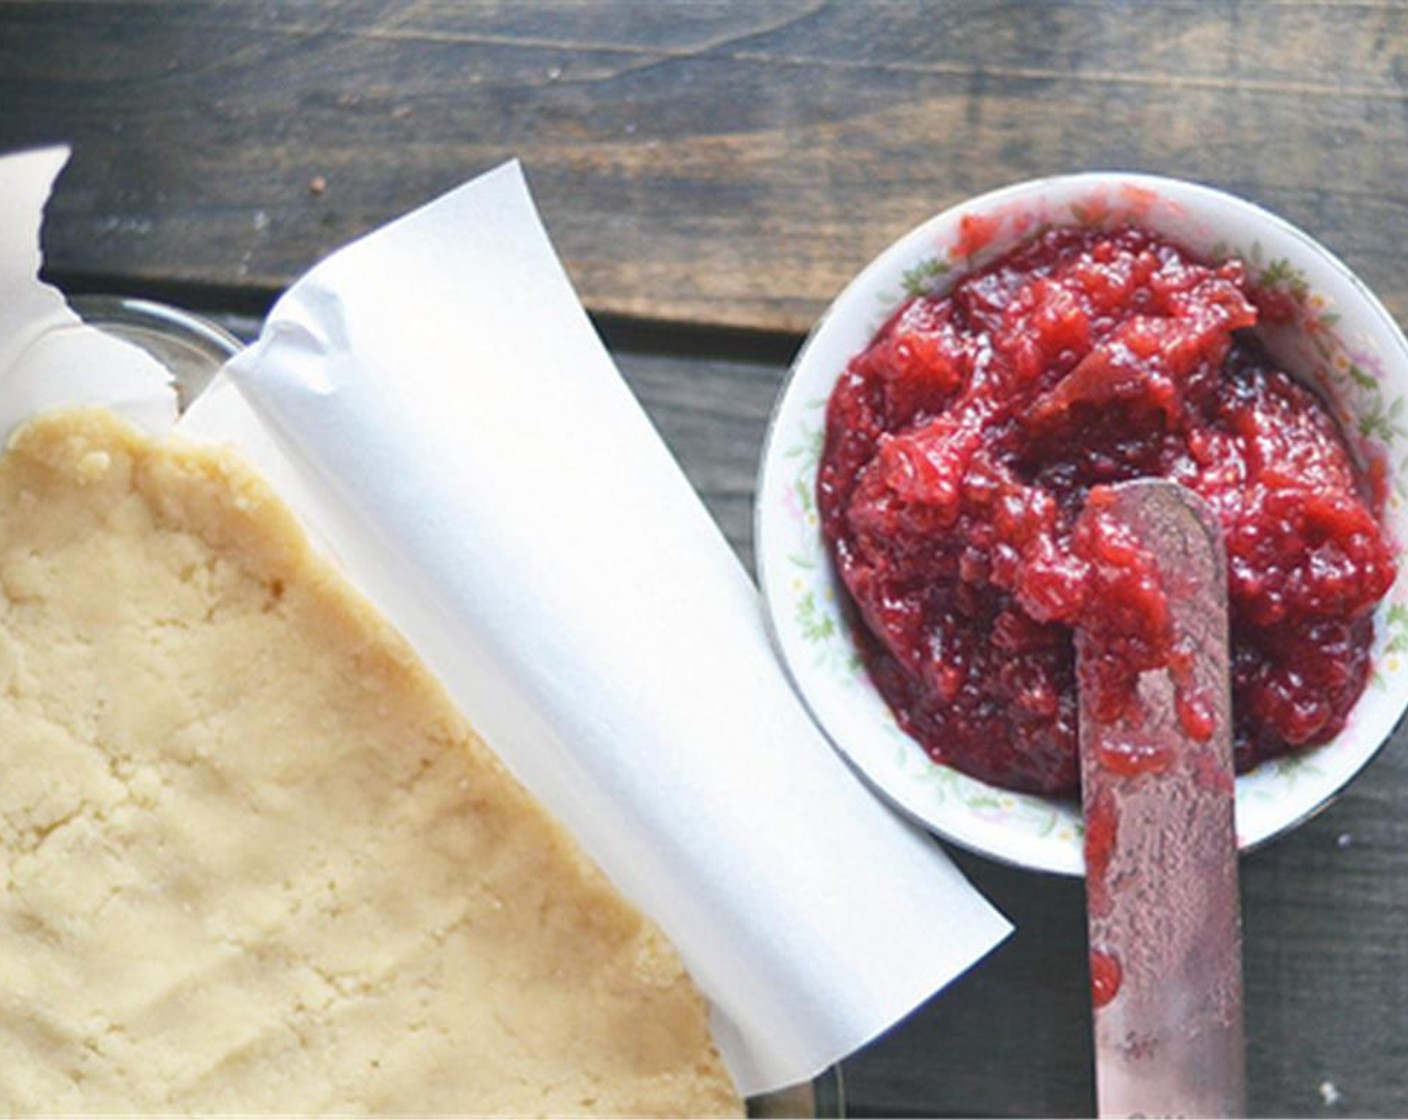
[963,443]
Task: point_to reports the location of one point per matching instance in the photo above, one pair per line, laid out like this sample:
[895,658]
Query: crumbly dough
[253,859]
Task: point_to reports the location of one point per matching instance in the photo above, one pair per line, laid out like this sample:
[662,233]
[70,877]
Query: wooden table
[712,174]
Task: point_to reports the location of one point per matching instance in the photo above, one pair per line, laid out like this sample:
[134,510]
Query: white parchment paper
[435,404]
[48,357]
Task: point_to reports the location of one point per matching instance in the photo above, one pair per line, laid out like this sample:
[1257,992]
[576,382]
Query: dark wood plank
[733,163]
[723,162]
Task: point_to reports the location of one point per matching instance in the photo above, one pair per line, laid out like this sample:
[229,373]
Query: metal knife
[1161,852]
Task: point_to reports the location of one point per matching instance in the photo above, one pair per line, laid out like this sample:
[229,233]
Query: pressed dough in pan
[253,859]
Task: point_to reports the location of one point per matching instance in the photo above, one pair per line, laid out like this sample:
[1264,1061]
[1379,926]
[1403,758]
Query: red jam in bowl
[963,443]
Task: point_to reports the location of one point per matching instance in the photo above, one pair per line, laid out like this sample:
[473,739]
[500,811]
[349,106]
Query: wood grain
[731,164]
[723,163]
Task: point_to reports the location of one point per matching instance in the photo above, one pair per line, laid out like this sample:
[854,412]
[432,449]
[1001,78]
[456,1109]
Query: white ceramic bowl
[1343,342]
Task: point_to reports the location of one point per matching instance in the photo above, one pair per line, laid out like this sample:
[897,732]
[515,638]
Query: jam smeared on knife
[1105,973]
[1161,846]
[964,441]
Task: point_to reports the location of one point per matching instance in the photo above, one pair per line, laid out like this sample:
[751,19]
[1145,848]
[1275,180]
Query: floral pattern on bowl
[1336,335]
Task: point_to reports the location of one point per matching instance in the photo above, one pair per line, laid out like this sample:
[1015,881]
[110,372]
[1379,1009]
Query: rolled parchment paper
[434,403]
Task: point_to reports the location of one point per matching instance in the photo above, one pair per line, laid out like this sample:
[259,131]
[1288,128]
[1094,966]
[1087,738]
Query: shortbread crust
[254,860]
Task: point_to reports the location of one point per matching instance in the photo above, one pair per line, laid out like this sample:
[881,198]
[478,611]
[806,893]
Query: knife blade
[1163,915]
